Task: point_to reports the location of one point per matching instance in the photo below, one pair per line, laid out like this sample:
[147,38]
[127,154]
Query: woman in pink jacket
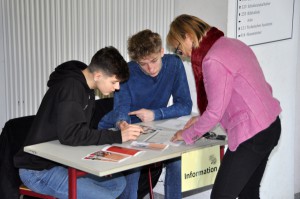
[232,91]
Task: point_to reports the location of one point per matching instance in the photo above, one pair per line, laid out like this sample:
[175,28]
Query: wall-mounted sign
[263,21]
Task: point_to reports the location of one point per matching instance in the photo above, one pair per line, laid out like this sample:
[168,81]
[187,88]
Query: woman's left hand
[177,136]
[190,122]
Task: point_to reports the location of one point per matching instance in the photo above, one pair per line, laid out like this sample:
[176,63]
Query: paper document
[149,145]
[176,123]
[149,132]
[163,136]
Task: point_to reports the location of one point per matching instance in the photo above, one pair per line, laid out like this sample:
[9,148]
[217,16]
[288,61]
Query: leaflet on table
[164,136]
[177,143]
[148,129]
[113,154]
[149,132]
[158,135]
[122,150]
[149,145]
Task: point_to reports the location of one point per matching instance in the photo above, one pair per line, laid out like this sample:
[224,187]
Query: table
[72,156]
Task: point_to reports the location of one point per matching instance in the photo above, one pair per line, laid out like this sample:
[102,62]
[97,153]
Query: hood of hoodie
[70,69]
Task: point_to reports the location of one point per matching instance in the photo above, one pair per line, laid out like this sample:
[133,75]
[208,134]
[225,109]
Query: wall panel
[39,35]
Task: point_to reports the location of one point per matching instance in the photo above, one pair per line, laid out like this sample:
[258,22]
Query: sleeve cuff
[189,136]
[158,114]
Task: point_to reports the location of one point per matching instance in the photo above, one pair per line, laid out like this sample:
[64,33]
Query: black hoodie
[65,114]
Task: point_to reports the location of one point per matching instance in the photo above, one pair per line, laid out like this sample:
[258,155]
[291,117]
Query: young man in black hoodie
[65,114]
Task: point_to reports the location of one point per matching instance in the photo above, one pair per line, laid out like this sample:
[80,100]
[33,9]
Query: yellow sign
[199,168]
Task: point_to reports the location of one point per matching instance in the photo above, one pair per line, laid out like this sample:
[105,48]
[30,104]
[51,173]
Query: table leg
[72,183]
[222,152]
[150,183]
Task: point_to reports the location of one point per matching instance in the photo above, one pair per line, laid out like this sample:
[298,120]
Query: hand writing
[130,132]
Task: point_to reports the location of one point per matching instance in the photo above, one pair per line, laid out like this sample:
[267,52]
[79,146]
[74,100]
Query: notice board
[264,21]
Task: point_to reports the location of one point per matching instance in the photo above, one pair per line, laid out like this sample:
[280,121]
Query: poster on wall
[264,21]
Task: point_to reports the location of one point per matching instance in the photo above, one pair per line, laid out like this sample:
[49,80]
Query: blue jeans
[132,183]
[54,182]
[172,186]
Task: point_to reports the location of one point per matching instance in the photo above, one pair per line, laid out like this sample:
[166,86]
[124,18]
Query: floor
[159,191]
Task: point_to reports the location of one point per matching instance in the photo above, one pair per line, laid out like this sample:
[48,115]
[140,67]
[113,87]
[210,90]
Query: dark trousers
[241,171]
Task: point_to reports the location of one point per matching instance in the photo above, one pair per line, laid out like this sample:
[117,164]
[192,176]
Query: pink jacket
[238,95]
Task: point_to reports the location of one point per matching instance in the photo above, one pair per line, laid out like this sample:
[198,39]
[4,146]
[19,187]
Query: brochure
[148,129]
[122,150]
[113,154]
[148,133]
[149,145]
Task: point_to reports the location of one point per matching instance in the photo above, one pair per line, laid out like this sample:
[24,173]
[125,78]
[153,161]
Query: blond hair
[187,24]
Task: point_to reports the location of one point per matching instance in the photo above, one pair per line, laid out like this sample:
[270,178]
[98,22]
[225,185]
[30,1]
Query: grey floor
[159,191]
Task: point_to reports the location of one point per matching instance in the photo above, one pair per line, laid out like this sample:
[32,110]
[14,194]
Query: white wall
[36,36]
[2,76]
[279,63]
[297,133]
[193,7]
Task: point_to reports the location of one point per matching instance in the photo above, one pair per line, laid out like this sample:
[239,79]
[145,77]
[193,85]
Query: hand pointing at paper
[145,115]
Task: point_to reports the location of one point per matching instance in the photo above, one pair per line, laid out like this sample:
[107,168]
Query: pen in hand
[130,131]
